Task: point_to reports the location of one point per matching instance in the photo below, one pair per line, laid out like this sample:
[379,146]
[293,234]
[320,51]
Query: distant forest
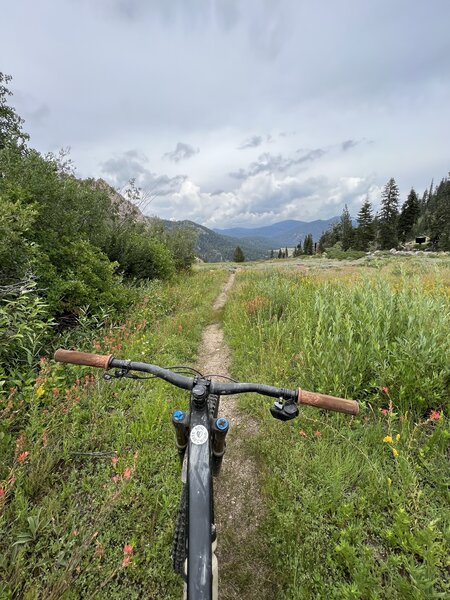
[427,217]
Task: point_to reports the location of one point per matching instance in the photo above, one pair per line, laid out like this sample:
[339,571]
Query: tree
[10,123]
[408,216]
[238,255]
[308,246]
[388,216]
[280,254]
[346,229]
[286,253]
[365,232]
[271,253]
[438,215]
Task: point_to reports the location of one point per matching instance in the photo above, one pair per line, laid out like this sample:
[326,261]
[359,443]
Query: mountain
[215,247]
[283,233]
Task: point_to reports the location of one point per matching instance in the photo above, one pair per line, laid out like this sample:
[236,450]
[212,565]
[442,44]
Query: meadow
[356,508]
[89,472]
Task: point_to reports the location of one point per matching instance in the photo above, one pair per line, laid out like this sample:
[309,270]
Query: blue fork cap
[222,424]
[178,415]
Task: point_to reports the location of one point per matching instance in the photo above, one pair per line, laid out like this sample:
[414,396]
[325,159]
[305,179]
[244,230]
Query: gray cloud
[119,170]
[251,142]
[181,152]
[270,163]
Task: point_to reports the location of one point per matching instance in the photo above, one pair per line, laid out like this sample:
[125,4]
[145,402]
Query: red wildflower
[303,434]
[114,460]
[127,549]
[115,478]
[385,390]
[2,492]
[435,415]
[126,561]
[384,411]
[23,456]
[317,433]
[127,473]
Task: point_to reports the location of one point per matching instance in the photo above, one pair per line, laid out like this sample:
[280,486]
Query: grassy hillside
[356,507]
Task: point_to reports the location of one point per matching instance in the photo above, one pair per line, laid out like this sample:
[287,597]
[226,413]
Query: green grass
[348,514]
[66,512]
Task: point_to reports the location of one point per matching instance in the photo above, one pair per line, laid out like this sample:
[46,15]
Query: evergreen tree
[308,245]
[365,232]
[280,254]
[438,216]
[286,253]
[388,216]
[271,253]
[346,229]
[238,255]
[408,216]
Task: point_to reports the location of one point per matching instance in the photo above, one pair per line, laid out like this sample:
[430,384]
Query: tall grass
[356,507]
[89,475]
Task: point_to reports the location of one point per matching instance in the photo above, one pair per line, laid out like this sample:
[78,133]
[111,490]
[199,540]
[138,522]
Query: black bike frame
[200,503]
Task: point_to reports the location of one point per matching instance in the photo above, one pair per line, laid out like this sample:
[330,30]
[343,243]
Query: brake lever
[284,411]
[119,374]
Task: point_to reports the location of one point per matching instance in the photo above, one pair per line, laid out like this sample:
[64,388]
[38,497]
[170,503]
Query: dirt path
[244,570]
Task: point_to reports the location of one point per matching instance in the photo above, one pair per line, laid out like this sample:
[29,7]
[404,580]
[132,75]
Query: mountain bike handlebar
[299,396]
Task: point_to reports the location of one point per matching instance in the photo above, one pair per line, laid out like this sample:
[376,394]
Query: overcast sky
[237,112]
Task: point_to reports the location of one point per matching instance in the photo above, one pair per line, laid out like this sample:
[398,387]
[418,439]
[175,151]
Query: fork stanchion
[220,429]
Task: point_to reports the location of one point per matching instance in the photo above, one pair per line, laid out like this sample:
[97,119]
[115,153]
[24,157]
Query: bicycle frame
[200,497]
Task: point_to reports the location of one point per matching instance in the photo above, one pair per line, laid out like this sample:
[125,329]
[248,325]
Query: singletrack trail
[244,568]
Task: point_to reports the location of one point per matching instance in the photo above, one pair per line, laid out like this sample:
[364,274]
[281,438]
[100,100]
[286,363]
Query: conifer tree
[308,245]
[346,229]
[280,254]
[238,255]
[286,253]
[365,232]
[409,215]
[388,216]
[271,253]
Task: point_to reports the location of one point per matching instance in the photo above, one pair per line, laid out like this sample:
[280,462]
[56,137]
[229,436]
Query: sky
[237,112]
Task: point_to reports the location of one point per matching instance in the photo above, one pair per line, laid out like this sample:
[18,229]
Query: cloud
[269,163]
[251,142]
[131,164]
[182,152]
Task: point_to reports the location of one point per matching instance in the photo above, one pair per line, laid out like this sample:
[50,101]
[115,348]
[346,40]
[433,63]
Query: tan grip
[349,407]
[83,358]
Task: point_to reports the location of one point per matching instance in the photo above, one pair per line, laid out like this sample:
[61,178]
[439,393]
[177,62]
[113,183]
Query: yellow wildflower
[40,391]
[397,437]
[395,452]
[388,439]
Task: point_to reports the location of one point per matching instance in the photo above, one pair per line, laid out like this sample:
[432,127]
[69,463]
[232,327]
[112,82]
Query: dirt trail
[244,570]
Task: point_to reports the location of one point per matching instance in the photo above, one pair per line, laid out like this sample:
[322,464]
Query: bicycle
[200,439]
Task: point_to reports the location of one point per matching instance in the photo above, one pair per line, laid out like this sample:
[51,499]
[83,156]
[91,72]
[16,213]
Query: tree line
[427,216]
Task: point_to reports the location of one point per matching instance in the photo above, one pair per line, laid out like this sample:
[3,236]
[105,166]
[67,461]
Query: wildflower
[114,460]
[115,478]
[303,434]
[2,492]
[317,434]
[397,437]
[75,532]
[127,473]
[385,390]
[388,439]
[127,550]
[395,452]
[23,456]
[40,391]
[384,411]
[435,415]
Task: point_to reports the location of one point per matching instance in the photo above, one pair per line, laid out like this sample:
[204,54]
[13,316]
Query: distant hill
[283,233]
[215,247]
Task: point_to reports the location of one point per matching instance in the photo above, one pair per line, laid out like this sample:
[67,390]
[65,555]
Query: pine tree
[271,253]
[409,215]
[308,244]
[346,229]
[280,254]
[365,232]
[238,255]
[388,216]
[286,253]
